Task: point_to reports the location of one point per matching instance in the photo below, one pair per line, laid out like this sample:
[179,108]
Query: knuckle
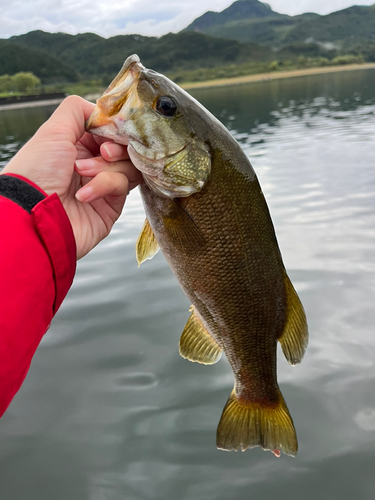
[72,100]
[105,177]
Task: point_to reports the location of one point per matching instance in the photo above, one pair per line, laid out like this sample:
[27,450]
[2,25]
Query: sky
[146,17]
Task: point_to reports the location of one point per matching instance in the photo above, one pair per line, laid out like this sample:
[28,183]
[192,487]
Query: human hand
[92,177]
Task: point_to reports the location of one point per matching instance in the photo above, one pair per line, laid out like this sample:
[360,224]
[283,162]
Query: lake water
[110,410]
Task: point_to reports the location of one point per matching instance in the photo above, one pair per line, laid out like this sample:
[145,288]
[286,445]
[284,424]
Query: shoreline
[222,82]
[275,75]
[31,104]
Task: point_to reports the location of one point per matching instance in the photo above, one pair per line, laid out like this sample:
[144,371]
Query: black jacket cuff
[19,191]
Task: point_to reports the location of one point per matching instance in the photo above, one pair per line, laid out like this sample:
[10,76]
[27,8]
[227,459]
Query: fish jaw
[104,126]
[116,111]
[173,161]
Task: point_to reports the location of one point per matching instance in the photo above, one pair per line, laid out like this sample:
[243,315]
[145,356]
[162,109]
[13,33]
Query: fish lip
[116,95]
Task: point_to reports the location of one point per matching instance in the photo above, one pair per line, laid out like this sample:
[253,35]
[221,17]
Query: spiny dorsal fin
[246,424]
[196,344]
[295,335]
[146,246]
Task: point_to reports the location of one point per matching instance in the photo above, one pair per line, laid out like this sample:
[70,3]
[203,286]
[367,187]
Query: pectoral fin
[196,344]
[182,229]
[146,246]
[295,335]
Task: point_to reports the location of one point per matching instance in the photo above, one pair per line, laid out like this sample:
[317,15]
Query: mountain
[265,31]
[345,28]
[249,21]
[93,56]
[253,21]
[242,9]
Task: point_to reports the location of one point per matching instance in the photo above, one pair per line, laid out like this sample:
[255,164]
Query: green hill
[345,28]
[295,50]
[94,56]
[14,59]
[264,31]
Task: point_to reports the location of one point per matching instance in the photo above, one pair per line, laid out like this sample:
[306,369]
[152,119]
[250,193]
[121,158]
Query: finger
[132,184]
[112,151]
[90,167]
[112,186]
[68,121]
[89,143]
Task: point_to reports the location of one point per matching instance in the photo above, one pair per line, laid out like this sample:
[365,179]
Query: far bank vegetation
[18,84]
[84,64]
[302,62]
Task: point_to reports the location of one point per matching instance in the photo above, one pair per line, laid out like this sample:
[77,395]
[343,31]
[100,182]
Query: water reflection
[110,410]
[245,108]
[17,126]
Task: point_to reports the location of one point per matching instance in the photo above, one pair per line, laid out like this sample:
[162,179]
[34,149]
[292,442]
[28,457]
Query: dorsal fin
[196,344]
[295,335]
[146,246]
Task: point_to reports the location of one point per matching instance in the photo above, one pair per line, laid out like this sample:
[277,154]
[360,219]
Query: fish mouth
[124,86]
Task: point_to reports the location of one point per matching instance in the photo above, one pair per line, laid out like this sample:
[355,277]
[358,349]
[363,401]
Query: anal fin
[295,335]
[196,344]
[146,246]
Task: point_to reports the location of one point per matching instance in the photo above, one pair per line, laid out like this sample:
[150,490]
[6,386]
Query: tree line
[22,82]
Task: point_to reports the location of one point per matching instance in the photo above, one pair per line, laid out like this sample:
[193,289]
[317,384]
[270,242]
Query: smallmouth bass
[206,211]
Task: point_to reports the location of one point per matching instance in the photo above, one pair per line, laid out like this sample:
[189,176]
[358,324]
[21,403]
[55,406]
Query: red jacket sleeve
[37,266]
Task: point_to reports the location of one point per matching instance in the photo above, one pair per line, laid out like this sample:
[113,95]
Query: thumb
[68,121]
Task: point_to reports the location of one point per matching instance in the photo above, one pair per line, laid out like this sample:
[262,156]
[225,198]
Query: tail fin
[246,425]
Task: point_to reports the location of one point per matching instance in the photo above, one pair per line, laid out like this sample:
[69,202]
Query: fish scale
[237,296]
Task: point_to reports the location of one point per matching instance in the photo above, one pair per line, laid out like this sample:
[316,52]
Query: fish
[206,211]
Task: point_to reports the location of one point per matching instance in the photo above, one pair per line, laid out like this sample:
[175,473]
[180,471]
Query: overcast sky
[112,17]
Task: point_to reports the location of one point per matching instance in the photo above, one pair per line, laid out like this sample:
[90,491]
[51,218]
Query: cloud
[294,7]
[148,17]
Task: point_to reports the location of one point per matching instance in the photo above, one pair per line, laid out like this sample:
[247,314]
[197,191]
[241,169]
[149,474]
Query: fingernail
[85,193]
[85,164]
[113,150]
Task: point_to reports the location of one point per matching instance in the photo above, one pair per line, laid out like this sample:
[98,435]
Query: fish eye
[166,106]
